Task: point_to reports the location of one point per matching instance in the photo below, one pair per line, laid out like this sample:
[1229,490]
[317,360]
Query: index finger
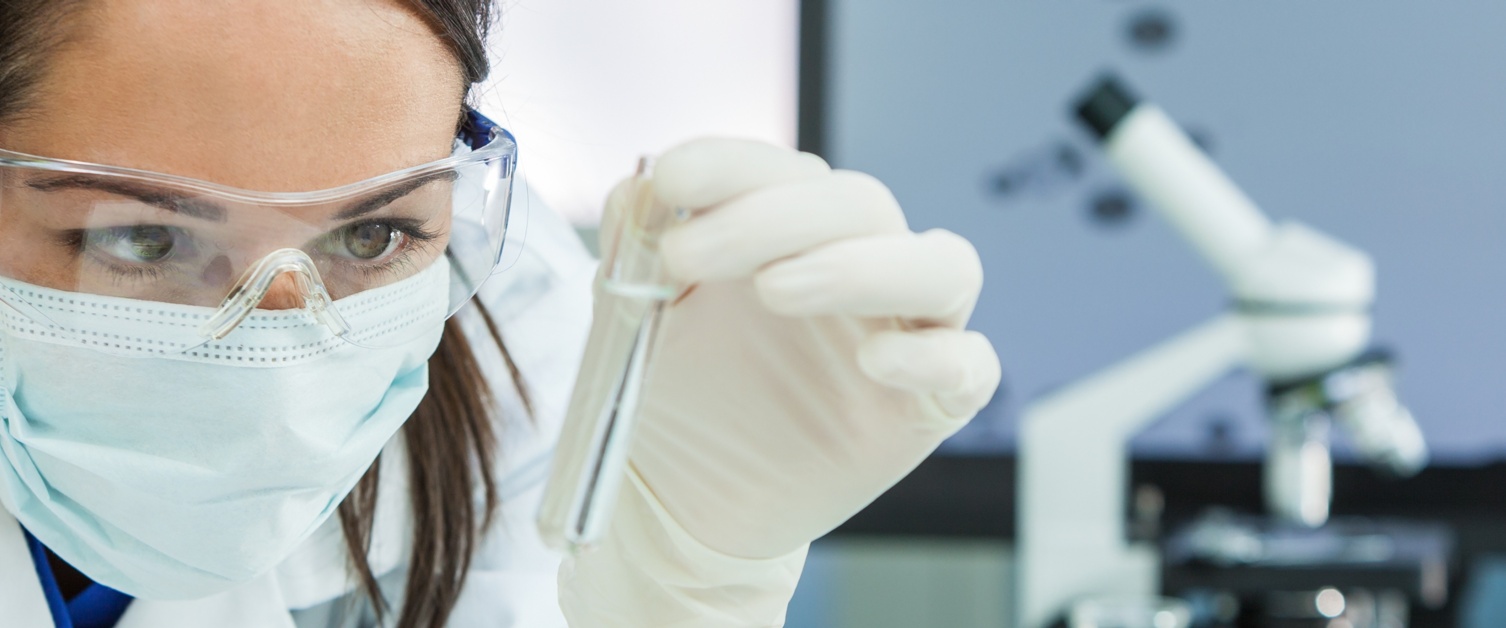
[706,172]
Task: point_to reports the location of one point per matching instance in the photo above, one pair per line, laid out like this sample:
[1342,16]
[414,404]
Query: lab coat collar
[255,604]
[20,591]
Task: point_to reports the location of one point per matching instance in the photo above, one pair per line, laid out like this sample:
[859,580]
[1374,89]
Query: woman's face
[271,95]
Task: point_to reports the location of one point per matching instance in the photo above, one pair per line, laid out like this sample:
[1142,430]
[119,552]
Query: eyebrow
[387,196]
[192,206]
[171,201]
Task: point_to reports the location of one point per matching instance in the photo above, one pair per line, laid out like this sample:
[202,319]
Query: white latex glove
[820,357]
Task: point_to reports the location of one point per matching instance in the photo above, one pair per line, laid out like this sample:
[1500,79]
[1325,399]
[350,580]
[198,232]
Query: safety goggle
[114,237]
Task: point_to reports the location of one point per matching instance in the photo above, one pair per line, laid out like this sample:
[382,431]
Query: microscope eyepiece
[1107,103]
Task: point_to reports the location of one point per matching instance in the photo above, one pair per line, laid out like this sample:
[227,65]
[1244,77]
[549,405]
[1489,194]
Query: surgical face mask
[158,430]
[182,474]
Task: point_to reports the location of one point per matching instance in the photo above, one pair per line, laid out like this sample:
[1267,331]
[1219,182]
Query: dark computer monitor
[1382,125]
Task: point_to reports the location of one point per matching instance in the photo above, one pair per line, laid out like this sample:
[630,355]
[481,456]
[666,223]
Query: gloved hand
[819,358]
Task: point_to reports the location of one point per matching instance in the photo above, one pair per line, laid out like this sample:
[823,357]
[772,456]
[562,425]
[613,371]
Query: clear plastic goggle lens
[80,239]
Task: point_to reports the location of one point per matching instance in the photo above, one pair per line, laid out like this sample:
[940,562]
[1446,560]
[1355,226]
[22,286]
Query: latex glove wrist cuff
[650,571]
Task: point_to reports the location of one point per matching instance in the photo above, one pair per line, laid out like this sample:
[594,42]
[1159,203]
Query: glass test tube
[590,461]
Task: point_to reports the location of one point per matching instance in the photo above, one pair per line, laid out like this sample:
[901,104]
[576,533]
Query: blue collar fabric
[98,606]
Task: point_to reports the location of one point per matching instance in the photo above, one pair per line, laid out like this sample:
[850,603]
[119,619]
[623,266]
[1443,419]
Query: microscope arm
[1288,266]
[1073,462]
[1223,225]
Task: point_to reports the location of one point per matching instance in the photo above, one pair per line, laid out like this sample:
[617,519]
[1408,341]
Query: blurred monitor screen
[1380,123]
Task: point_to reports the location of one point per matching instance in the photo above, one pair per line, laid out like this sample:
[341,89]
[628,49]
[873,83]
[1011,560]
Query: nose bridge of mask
[257,282]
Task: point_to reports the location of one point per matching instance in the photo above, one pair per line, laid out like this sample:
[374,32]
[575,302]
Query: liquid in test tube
[590,461]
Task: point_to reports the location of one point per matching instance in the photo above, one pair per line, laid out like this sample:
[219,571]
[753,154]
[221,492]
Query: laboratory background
[1132,470]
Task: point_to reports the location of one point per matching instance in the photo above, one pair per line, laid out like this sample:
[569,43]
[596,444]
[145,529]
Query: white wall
[589,85]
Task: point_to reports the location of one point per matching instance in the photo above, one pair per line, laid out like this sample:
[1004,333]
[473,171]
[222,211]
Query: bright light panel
[589,85]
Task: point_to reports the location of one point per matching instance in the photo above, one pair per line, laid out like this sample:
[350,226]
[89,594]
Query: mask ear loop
[257,281]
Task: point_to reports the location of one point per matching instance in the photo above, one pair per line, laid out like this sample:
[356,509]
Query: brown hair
[450,441]
[450,449]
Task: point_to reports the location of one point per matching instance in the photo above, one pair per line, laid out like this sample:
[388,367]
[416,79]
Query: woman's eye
[142,244]
[370,241]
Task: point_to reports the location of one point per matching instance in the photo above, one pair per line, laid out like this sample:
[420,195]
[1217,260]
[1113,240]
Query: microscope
[1299,320]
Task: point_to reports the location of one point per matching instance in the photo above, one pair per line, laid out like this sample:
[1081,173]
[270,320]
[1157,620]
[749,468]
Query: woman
[232,235]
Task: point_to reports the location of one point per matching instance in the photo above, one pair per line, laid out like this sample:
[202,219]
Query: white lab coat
[542,306]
